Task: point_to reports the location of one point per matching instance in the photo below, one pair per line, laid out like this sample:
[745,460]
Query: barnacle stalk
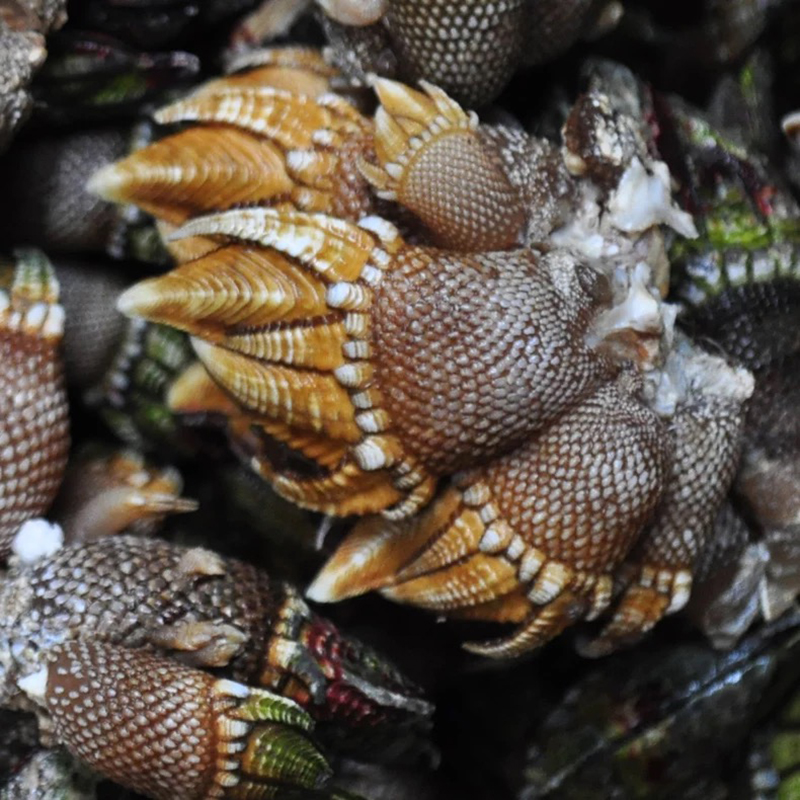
[482,549]
[471,204]
[167,730]
[33,403]
[469,48]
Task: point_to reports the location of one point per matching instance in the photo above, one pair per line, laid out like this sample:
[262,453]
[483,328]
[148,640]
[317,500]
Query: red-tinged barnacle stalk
[34,426]
[205,611]
[169,731]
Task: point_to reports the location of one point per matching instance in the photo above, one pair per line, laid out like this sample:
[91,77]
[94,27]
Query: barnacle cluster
[536,377]
[545,380]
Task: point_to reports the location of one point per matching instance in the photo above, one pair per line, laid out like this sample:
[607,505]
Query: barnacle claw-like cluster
[705,433]
[501,383]
[505,558]
[495,187]
[520,372]
[274,145]
[103,494]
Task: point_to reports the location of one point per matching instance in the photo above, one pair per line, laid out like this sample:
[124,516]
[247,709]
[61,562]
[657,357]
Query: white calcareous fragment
[354,12]
[35,685]
[37,539]
[643,199]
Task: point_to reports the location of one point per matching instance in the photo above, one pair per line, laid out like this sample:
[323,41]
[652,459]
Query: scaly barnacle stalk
[47,176]
[94,329]
[34,428]
[469,48]
[167,730]
[706,436]
[341,295]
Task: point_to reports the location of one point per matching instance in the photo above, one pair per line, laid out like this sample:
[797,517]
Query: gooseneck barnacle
[536,363]
[496,375]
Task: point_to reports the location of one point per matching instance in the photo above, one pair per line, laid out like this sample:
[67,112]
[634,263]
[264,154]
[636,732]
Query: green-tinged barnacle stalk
[749,224]
[34,427]
[132,396]
[170,731]
[740,281]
